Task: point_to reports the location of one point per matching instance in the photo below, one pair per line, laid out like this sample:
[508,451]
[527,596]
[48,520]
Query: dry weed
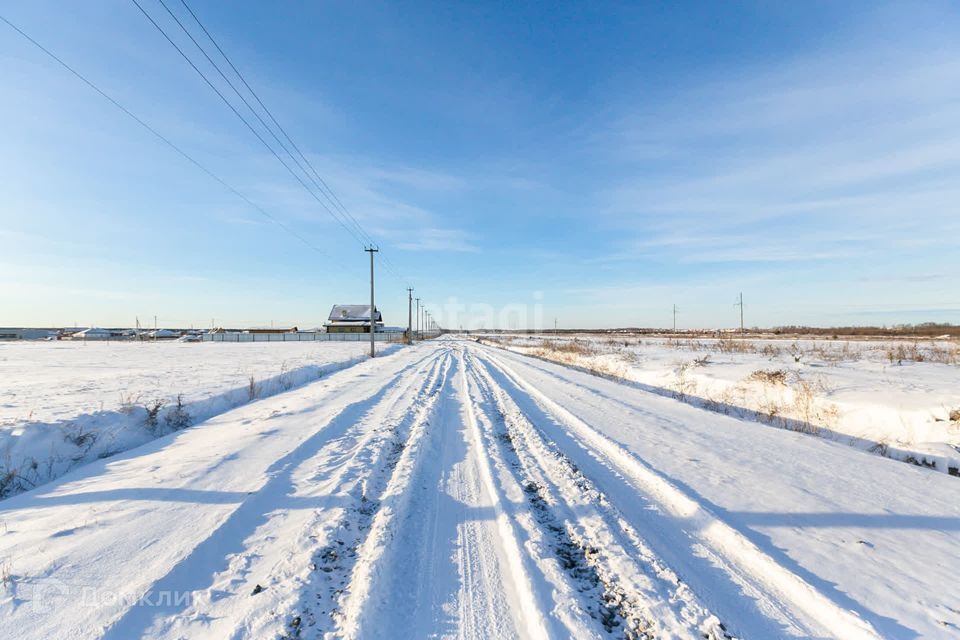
[770,376]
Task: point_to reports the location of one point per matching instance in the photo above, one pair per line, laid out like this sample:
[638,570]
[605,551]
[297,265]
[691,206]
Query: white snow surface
[850,391]
[452,489]
[65,403]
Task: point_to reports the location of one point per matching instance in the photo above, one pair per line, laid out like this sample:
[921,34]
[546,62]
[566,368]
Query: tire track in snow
[360,473]
[635,599]
[366,569]
[780,593]
[532,619]
[445,561]
[328,468]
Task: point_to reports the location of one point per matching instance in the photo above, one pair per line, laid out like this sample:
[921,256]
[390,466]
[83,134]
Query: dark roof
[353,313]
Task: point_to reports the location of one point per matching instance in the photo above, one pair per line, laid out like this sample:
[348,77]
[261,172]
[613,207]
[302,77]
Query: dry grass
[6,575]
[769,376]
[829,352]
[683,385]
[916,352]
[569,352]
[577,347]
[729,345]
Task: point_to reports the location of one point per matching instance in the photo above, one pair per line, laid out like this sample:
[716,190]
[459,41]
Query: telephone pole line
[410,314]
[373,308]
[740,304]
[674,318]
[418,318]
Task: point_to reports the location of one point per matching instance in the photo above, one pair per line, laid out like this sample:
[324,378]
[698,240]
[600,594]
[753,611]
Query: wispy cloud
[387,200]
[828,157]
[432,239]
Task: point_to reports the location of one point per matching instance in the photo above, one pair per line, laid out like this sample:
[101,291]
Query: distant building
[271,330]
[160,334]
[18,333]
[352,318]
[94,333]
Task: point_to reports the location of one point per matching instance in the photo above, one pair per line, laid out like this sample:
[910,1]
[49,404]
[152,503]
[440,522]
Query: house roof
[353,313]
[283,328]
[95,331]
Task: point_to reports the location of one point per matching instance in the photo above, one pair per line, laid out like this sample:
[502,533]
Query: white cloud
[845,153]
[432,239]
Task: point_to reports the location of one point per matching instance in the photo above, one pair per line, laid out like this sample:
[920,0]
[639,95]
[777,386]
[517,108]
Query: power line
[318,180]
[332,195]
[240,116]
[319,185]
[164,139]
[243,99]
[339,211]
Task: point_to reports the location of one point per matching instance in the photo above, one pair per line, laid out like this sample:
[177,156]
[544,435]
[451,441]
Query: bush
[80,438]
[153,414]
[178,418]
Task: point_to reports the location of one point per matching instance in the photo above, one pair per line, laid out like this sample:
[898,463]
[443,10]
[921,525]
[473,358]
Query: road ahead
[457,490]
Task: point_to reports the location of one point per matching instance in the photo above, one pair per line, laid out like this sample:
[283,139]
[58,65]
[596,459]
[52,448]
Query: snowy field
[453,489]
[65,403]
[895,398]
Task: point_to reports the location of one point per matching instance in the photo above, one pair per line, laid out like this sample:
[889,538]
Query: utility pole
[554,326]
[410,314]
[373,308]
[674,318]
[418,318]
[740,304]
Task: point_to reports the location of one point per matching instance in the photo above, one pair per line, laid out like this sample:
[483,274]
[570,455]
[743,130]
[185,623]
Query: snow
[863,393]
[457,489]
[66,403]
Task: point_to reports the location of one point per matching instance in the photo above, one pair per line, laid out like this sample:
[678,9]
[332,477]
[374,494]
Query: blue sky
[594,163]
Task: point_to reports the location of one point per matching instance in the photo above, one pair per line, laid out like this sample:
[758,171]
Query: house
[163,334]
[94,333]
[271,330]
[352,318]
[18,333]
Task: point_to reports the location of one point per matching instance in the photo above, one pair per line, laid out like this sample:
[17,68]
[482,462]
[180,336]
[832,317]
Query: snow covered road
[458,490]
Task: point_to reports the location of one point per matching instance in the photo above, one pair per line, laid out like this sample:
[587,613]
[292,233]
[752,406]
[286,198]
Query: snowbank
[895,398]
[63,404]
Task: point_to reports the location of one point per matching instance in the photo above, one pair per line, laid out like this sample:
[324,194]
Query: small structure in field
[353,318]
